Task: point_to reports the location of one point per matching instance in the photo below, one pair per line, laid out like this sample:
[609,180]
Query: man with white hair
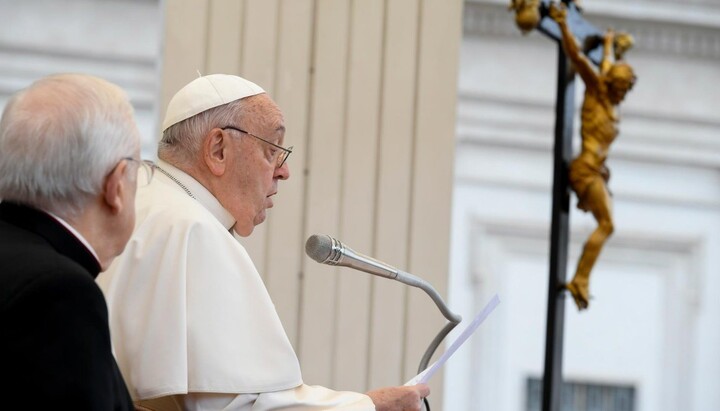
[68,168]
[194,327]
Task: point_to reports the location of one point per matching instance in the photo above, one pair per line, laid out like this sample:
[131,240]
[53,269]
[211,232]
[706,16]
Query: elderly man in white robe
[193,325]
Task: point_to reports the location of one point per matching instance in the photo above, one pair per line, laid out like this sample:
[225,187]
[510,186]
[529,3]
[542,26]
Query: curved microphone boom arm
[453,319]
[327,250]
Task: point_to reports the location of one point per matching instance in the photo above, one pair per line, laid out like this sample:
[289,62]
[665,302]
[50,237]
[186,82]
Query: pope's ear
[215,146]
[116,187]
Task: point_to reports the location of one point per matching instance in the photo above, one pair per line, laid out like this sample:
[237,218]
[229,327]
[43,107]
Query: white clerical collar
[77,235]
[199,192]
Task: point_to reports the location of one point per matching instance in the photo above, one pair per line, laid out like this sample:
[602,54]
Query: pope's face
[253,173]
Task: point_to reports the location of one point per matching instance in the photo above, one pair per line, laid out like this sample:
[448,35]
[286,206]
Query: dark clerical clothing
[55,350]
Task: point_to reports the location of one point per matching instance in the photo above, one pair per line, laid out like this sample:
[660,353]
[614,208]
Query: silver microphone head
[324,249]
[327,250]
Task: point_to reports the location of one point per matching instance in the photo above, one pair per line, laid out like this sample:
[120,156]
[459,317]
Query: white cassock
[189,313]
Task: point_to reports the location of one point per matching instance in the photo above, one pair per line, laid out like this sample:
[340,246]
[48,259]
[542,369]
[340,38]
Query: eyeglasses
[280,156]
[146,169]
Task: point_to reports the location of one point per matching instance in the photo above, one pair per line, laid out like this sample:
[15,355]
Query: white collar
[76,233]
[199,192]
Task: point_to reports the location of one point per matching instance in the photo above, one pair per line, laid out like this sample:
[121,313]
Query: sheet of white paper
[425,376]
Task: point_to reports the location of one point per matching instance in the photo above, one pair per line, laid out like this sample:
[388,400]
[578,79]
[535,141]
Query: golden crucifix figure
[604,90]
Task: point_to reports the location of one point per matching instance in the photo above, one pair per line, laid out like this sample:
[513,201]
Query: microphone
[327,250]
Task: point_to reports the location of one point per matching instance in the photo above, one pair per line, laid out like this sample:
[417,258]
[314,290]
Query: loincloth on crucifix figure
[604,91]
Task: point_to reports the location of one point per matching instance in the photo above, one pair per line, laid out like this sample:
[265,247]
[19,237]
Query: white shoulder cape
[188,310]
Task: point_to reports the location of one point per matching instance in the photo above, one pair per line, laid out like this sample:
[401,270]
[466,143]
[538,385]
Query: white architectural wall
[654,320]
[118,40]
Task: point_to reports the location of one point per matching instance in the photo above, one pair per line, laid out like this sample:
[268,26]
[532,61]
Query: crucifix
[586,174]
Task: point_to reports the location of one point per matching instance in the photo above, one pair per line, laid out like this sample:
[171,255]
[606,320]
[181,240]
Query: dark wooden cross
[564,114]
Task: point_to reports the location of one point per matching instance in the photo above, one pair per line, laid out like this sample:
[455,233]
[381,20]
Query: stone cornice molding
[108,56]
[645,137]
[20,66]
[687,30]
